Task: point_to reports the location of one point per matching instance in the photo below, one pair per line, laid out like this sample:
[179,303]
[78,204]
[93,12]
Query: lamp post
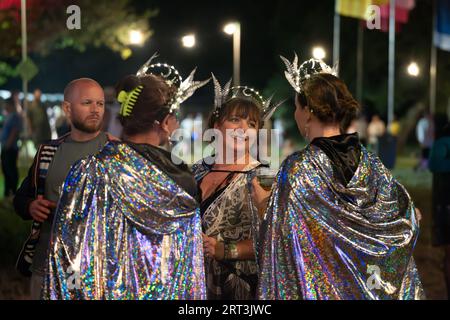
[23,13]
[413,69]
[319,53]
[188,41]
[234,29]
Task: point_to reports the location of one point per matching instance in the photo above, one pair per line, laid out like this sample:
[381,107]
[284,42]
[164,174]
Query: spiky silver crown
[296,75]
[225,94]
[185,88]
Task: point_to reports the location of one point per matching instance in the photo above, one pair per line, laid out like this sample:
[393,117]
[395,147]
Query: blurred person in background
[12,126]
[394,127]
[439,164]
[62,125]
[375,130]
[425,136]
[16,101]
[39,125]
[359,125]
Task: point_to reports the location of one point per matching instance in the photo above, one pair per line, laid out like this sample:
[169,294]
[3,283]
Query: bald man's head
[84,105]
[74,86]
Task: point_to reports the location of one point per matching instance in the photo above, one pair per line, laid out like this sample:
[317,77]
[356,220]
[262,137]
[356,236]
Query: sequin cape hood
[124,230]
[324,240]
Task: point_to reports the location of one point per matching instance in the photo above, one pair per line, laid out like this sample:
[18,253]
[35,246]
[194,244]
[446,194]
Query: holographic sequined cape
[324,240]
[124,230]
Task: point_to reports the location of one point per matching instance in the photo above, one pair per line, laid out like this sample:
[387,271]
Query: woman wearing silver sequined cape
[125,230]
[324,240]
[338,225]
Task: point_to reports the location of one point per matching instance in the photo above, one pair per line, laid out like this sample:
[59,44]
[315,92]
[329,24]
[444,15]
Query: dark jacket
[30,189]
[34,183]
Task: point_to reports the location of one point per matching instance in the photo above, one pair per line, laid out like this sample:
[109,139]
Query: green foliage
[103,23]
[6,71]
[13,232]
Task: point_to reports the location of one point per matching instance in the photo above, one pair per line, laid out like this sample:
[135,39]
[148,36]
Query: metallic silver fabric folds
[124,230]
[324,240]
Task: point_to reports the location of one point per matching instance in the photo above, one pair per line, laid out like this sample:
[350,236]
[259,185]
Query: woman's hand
[213,248]
[260,196]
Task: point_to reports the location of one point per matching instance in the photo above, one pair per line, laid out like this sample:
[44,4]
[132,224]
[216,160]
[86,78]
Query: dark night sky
[176,18]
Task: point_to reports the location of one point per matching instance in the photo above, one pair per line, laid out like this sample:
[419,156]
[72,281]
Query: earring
[307,124]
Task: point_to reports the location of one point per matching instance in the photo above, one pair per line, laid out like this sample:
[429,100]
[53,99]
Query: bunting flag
[442,32]
[402,9]
[357,8]
[13,7]
[9,4]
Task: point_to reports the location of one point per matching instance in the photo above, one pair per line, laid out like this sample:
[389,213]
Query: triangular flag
[357,8]
[442,32]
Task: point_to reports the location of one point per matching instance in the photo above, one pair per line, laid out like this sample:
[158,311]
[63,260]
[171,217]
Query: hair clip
[128,100]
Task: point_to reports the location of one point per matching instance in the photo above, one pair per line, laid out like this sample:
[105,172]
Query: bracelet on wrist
[230,251]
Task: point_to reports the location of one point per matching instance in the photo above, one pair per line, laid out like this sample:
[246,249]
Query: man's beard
[84,127]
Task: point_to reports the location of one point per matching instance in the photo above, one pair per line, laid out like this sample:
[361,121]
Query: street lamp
[413,69]
[230,28]
[188,41]
[136,37]
[318,53]
[234,28]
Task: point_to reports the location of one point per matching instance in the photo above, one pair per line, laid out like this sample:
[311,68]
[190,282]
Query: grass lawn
[13,231]
[429,259]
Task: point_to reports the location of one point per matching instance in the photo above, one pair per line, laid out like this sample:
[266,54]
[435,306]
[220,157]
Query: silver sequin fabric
[124,230]
[323,240]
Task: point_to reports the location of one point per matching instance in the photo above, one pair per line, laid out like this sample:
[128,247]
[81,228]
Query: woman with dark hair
[338,225]
[229,214]
[128,223]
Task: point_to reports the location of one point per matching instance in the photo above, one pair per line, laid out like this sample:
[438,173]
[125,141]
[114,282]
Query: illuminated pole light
[413,69]
[188,41]
[230,28]
[318,53]
[136,37]
[234,29]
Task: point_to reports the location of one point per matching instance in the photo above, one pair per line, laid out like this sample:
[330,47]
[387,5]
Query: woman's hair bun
[128,83]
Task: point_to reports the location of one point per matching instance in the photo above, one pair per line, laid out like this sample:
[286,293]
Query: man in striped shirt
[38,195]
